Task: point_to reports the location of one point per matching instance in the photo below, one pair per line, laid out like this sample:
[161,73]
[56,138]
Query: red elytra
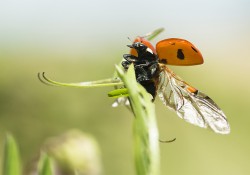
[173,51]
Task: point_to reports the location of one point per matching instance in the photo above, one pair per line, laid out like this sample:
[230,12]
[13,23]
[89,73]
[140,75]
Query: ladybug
[150,64]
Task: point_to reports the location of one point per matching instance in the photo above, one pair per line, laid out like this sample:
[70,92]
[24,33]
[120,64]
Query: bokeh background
[74,41]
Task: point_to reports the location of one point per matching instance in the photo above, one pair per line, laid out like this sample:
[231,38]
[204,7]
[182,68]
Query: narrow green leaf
[118,93]
[11,158]
[153,34]
[87,84]
[146,141]
[44,165]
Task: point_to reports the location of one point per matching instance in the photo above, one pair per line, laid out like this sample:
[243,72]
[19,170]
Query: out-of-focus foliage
[11,159]
[72,153]
[75,151]
[33,111]
[44,165]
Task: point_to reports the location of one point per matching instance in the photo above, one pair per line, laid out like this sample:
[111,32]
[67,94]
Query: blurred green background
[74,41]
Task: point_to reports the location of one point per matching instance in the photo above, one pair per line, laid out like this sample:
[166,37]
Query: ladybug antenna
[129,39]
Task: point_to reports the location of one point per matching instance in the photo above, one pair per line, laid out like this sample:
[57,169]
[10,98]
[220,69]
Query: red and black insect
[152,73]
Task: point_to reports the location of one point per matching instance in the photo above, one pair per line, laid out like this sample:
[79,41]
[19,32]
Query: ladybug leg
[130,58]
[147,65]
[141,74]
[126,64]
[143,63]
[153,68]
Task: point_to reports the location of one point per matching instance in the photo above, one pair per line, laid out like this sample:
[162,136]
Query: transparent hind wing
[190,104]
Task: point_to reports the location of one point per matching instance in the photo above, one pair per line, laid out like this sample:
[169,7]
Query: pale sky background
[76,26]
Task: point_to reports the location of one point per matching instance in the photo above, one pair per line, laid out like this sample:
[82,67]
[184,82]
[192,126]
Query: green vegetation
[146,148]
[11,159]
[33,112]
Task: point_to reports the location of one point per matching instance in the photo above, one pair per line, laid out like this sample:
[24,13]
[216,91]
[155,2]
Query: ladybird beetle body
[145,64]
[152,73]
[146,59]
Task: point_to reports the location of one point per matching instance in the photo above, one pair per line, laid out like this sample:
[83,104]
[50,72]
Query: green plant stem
[146,140]
[88,84]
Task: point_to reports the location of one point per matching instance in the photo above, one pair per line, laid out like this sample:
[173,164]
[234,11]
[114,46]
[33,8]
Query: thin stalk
[88,84]
[146,139]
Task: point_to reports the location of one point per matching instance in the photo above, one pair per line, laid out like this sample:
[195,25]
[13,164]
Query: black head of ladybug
[139,47]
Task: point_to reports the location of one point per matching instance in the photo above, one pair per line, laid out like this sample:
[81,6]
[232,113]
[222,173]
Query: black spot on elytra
[163,60]
[180,54]
[173,44]
[194,49]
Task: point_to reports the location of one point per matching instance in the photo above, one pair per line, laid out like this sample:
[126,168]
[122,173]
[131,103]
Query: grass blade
[45,165]
[11,158]
[153,34]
